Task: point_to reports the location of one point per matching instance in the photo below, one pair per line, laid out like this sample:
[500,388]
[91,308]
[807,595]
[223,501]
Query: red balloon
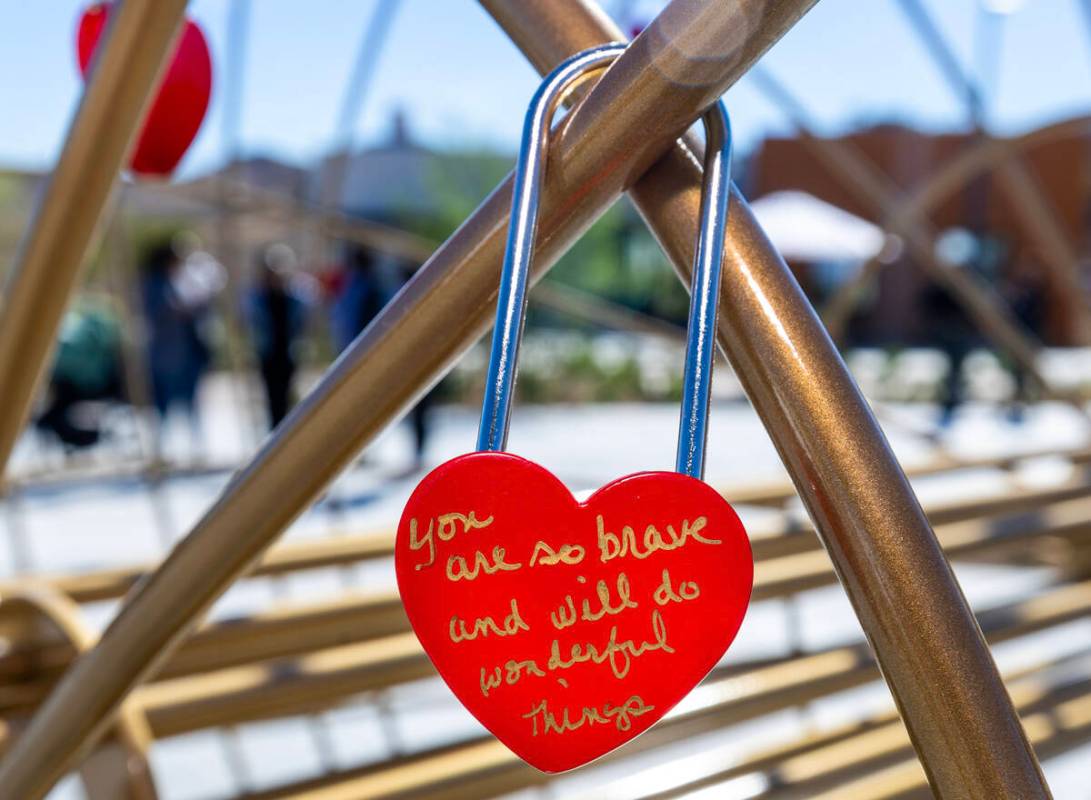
[569,628]
[180,103]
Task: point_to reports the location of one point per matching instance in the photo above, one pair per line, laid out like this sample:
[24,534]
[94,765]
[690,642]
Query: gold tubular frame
[119,770]
[622,136]
[126,68]
[910,606]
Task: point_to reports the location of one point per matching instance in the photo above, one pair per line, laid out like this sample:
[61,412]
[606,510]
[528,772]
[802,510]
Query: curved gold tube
[126,67]
[663,82]
[924,635]
[119,770]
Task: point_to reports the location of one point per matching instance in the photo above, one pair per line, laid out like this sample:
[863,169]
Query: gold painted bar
[641,105]
[924,635]
[125,71]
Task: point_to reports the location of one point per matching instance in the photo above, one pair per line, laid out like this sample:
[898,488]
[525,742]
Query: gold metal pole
[130,58]
[925,637]
[119,770]
[640,106]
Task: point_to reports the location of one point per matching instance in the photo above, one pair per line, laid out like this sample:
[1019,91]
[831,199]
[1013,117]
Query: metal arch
[1032,208]
[875,189]
[981,157]
[511,302]
[129,60]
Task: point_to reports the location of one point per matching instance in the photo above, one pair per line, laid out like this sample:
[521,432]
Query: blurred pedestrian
[1023,287]
[363,289]
[951,331]
[276,309]
[178,292]
[87,368]
[369,283]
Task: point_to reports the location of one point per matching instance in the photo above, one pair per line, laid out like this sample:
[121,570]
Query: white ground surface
[115,522]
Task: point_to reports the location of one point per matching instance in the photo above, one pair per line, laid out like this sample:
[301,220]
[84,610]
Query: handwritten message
[596,625]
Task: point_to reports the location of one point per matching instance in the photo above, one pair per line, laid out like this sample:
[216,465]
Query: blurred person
[276,310]
[179,286]
[361,292]
[369,283]
[951,331]
[1023,287]
[87,367]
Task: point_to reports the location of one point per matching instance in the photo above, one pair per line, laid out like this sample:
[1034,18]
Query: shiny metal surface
[519,251]
[705,293]
[664,80]
[929,646]
[926,640]
[128,62]
[511,304]
[119,768]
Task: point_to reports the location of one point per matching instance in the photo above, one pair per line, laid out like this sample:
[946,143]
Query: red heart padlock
[569,628]
[180,102]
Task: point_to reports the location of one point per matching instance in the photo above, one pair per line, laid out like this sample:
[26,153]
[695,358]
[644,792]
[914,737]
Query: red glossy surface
[180,102]
[490,550]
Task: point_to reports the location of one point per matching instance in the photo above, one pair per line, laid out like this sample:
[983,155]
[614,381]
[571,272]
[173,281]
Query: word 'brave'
[613,545]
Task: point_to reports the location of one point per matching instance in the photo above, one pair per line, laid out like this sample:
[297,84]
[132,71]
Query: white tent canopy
[805,228]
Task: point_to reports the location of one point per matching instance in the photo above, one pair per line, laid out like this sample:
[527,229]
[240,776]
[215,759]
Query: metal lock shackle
[704,289]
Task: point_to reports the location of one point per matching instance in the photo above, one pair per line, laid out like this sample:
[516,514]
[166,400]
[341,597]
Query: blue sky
[463,84]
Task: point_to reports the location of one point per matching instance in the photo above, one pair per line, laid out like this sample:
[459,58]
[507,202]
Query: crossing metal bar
[120,769]
[127,65]
[653,92]
[912,610]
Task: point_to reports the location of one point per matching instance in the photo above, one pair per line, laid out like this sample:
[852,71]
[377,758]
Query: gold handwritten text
[621,716]
[510,674]
[547,556]
[483,626]
[448,526]
[458,569]
[613,546]
[565,615]
[618,654]
[666,593]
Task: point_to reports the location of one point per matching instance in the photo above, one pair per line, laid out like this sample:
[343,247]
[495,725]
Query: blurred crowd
[186,311]
[185,317]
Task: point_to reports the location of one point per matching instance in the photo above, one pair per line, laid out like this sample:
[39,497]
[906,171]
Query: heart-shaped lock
[567,628]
